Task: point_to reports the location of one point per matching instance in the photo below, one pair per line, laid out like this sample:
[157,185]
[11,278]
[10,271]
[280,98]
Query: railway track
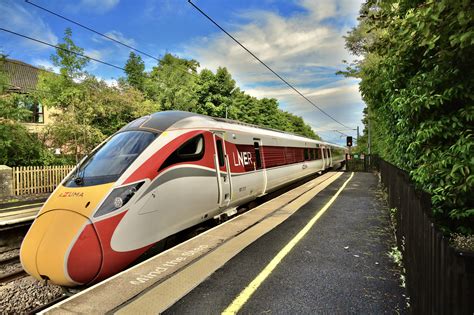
[11,276]
[44,300]
[46,305]
[13,269]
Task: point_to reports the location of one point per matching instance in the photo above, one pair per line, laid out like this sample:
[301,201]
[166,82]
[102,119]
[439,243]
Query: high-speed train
[159,175]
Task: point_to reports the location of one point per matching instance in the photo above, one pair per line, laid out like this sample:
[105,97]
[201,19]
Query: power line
[263,63]
[90,29]
[340,129]
[334,130]
[61,48]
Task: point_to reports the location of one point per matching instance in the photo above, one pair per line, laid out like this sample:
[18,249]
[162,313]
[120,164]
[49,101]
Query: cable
[91,30]
[101,34]
[263,63]
[61,48]
[340,129]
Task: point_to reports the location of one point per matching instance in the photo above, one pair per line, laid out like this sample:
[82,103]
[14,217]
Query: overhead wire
[62,48]
[157,59]
[90,29]
[264,64]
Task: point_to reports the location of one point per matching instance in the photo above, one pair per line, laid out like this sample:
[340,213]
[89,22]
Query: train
[159,175]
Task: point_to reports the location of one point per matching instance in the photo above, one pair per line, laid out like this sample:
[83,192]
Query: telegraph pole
[368,140]
[226,106]
[358,137]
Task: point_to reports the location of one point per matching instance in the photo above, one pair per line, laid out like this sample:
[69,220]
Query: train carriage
[159,175]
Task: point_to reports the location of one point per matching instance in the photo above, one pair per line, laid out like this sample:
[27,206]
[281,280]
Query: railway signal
[349,141]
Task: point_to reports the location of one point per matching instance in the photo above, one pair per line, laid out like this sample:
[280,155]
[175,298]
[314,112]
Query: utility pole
[368,140]
[232,91]
[358,136]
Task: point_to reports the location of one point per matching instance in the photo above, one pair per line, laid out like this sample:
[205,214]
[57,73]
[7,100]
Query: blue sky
[300,39]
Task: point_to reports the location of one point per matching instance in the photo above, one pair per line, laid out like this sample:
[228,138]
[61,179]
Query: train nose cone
[56,248]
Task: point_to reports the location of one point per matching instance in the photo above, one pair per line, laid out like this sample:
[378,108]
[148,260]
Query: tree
[17,146]
[417,78]
[89,109]
[135,71]
[67,59]
[172,83]
[214,92]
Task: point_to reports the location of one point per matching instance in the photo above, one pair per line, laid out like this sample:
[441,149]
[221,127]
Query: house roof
[22,76]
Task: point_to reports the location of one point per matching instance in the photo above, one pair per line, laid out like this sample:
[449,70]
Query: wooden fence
[439,279]
[38,179]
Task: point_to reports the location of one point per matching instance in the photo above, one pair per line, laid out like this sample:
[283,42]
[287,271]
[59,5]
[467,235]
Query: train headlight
[118,198]
[118,202]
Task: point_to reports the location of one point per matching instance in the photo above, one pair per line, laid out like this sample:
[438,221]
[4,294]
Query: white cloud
[321,10]
[93,53]
[110,82]
[17,18]
[305,48]
[97,6]
[120,37]
[46,64]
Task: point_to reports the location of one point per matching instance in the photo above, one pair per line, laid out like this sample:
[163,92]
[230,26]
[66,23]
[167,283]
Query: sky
[302,40]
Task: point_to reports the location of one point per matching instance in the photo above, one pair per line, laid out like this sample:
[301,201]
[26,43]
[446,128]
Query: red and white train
[157,176]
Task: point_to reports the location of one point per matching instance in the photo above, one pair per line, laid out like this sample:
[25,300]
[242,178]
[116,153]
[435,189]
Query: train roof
[165,120]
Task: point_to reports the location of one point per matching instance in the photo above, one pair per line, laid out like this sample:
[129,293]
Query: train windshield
[108,162]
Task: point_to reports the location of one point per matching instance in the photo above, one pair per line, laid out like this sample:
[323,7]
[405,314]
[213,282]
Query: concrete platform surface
[177,271]
[340,266]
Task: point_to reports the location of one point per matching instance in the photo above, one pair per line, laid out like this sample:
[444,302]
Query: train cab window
[306,154]
[220,152]
[329,153]
[258,159]
[106,163]
[191,150]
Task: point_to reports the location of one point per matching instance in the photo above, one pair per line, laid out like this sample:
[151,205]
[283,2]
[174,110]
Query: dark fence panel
[439,279]
[361,162]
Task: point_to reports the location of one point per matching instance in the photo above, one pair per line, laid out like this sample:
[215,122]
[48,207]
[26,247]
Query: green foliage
[71,65]
[88,109]
[17,145]
[172,83]
[135,71]
[417,77]
[175,84]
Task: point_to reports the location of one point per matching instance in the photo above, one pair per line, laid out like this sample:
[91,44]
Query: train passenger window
[256,145]
[220,152]
[191,150]
[313,154]
[306,154]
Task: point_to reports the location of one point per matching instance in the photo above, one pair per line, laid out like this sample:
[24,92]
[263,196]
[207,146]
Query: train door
[330,157]
[221,162]
[260,171]
[323,156]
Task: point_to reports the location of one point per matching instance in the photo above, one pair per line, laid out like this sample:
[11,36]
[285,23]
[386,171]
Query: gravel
[22,295]
[25,294]
[9,253]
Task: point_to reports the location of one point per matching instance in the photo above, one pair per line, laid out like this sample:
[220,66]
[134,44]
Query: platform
[321,247]
[19,214]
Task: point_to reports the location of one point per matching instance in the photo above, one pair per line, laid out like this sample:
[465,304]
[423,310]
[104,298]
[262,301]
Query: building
[22,78]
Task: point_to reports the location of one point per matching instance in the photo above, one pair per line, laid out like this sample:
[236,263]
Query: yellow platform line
[245,295]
